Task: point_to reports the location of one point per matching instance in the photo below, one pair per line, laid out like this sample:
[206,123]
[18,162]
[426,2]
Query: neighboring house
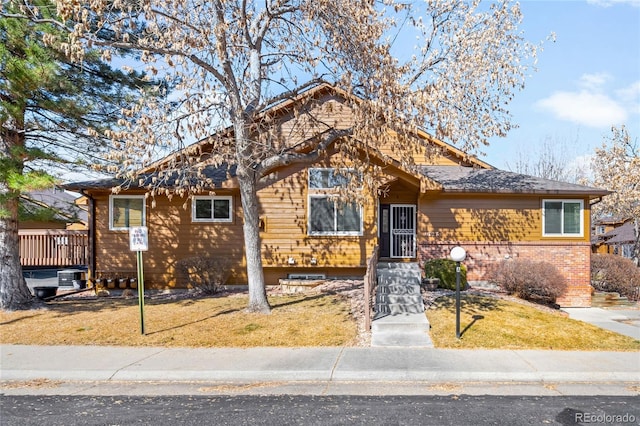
[52,229]
[618,238]
[446,200]
[52,208]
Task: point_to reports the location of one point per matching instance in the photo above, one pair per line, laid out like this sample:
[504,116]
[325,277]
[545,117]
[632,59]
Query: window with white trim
[327,215]
[211,208]
[562,218]
[126,211]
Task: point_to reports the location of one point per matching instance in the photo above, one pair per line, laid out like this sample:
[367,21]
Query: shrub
[445,270]
[615,274]
[529,280]
[205,273]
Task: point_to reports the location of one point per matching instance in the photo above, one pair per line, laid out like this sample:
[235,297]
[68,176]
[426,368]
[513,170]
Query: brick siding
[573,260]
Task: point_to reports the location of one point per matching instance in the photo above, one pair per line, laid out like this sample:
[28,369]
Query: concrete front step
[400,319]
[399,299]
[401,330]
[384,309]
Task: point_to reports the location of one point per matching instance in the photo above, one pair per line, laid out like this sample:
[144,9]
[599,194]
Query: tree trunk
[251,227]
[14,293]
[247,180]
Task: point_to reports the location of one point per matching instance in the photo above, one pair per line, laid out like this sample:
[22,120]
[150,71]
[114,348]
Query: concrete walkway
[328,366]
[623,321]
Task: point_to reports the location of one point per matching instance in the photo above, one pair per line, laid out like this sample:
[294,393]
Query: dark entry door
[385,231]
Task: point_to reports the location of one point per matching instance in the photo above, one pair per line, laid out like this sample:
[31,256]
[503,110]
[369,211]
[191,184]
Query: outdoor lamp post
[458,254]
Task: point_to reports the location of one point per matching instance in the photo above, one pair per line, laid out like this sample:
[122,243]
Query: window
[627,251]
[562,218]
[327,215]
[211,209]
[126,211]
[601,229]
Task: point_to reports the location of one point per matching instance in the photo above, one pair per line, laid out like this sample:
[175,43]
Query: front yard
[496,323]
[331,315]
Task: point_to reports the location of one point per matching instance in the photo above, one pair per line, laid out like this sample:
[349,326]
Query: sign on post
[139,242]
[139,238]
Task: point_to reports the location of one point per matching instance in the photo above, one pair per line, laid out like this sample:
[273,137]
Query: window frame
[562,233]
[111,211]
[328,193]
[211,198]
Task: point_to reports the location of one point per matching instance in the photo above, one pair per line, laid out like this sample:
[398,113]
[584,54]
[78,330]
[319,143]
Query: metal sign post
[139,242]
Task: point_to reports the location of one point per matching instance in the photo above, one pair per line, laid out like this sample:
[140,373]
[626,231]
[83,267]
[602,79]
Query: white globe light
[458,254]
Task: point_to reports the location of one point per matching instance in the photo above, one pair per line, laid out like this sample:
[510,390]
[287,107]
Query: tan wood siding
[284,209]
[490,217]
[172,236]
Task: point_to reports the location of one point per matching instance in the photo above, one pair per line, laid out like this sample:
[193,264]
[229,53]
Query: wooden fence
[53,247]
[370,280]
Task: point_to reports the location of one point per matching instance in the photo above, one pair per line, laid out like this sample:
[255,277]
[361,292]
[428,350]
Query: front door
[403,231]
[385,230]
[398,230]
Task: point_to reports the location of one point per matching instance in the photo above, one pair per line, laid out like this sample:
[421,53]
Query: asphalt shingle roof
[470,179]
[621,234]
[218,175]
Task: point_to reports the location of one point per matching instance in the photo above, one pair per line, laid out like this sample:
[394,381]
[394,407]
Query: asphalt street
[319,410]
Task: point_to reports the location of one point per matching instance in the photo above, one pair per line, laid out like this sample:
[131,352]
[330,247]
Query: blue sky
[587,80]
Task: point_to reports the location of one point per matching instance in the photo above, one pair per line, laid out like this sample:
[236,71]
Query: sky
[587,80]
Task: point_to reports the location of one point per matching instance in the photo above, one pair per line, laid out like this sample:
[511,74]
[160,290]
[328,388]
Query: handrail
[370,279]
[53,247]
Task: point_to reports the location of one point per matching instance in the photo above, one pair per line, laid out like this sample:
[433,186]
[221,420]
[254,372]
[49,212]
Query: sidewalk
[622,321]
[409,367]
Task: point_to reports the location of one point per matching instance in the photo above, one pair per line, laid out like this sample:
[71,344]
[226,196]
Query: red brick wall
[572,260]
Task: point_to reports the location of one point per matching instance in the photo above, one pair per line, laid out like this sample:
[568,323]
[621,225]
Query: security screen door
[403,231]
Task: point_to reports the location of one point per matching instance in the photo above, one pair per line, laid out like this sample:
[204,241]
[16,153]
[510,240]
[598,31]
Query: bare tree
[237,58]
[616,167]
[551,159]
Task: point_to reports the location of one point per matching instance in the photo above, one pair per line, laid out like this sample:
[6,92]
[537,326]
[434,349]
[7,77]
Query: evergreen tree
[54,112]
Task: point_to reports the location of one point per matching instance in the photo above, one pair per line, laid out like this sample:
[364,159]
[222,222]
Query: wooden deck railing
[53,247]
[370,279]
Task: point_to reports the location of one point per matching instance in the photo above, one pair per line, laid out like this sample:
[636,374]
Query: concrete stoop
[400,319]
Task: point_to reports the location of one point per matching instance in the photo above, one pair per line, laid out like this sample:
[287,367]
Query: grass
[301,320]
[491,323]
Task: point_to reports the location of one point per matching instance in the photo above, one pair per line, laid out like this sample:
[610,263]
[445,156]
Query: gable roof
[58,201]
[481,178]
[471,179]
[216,176]
[315,91]
[621,234]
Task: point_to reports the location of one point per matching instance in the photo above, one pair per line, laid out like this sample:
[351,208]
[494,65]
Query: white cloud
[585,107]
[594,81]
[630,95]
[591,106]
[607,3]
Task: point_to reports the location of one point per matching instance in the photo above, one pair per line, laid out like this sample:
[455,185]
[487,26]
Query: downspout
[91,212]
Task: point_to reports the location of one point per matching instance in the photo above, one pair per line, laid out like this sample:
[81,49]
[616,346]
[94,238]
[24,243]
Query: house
[51,208]
[52,230]
[613,235]
[445,199]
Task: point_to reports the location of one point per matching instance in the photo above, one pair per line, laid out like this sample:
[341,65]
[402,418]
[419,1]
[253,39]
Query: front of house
[419,213]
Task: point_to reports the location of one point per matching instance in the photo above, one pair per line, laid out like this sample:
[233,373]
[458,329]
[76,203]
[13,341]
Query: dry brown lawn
[296,320]
[493,323]
[330,316]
